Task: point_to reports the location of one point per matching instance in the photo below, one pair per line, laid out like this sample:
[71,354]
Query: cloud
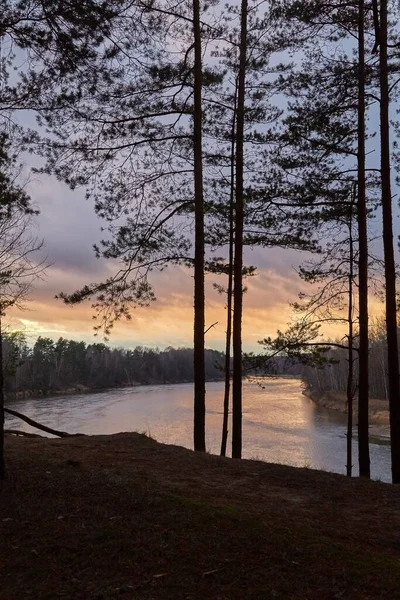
[169,320]
[68,224]
[70,228]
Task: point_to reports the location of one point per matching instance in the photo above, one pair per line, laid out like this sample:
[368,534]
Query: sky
[69,227]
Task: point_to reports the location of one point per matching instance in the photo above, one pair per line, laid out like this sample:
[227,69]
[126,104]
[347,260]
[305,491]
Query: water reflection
[279,423]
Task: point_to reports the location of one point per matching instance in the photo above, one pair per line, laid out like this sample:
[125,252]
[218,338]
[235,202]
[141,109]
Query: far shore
[84,389]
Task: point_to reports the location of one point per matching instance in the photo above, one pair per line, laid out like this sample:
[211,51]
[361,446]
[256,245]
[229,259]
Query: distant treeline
[50,366]
[334,376]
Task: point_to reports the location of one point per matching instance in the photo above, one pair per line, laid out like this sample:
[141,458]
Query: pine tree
[238,245]
[387,222]
[331,136]
[141,155]
[199,300]
[363,387]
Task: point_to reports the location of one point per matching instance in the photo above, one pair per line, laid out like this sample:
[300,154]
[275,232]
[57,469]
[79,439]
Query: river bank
[116,516]
[378,409]
[84,389]
[71,391]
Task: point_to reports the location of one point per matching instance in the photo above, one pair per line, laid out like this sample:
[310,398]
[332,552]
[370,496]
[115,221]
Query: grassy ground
[121,516]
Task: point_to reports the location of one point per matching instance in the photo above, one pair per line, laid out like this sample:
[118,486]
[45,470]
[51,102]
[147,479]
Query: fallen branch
[19,415]
[22,433]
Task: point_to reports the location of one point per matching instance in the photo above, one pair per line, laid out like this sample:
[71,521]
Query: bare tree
[20,267]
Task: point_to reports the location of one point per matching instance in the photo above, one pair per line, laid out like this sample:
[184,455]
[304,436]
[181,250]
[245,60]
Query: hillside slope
[122,516]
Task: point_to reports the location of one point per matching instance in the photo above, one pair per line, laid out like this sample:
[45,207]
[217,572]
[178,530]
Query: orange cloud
[169,320]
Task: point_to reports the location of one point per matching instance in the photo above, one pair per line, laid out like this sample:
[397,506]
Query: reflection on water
[279,424]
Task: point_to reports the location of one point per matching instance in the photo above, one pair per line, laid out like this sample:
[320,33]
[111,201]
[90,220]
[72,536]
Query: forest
[64,365]
[201,131]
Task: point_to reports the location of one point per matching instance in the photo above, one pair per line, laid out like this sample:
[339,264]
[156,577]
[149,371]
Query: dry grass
[121,516]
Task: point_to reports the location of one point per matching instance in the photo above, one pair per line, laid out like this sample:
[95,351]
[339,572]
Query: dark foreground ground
[124,517]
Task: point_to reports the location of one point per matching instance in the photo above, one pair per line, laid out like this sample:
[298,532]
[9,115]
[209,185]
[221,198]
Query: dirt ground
[122,516]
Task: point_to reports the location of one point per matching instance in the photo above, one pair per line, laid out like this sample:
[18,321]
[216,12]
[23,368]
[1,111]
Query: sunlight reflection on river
[279,423]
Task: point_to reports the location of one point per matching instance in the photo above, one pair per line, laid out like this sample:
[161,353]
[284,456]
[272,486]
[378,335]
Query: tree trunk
[238,261]
[350,372]
[229,291]
[199,318]
[2,460]
[363,388]
[390,271]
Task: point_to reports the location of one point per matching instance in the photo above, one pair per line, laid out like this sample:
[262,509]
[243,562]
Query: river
[280,424]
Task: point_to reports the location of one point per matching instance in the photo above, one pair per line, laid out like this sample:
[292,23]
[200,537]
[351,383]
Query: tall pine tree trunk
[390,271]
[224,439]
[363,388]
[227,386]
[350,372]
[2,460]
[199,303]
[238,261]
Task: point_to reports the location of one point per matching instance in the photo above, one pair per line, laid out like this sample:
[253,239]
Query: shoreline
[82,389]
[40,394]
[337,401]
